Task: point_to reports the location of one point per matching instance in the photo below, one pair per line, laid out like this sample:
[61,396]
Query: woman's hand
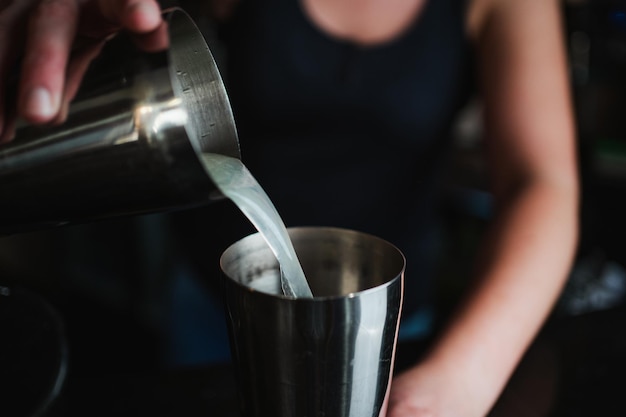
[430,390]
[409,397]
[39,36]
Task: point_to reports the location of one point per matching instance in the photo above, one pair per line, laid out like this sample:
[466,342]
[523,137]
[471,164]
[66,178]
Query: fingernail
[39,103]
[150,15]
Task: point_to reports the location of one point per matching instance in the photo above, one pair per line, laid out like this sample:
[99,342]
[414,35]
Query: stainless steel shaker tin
[331,355]
[131,140]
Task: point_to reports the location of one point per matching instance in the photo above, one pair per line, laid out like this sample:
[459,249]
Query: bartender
[354,99]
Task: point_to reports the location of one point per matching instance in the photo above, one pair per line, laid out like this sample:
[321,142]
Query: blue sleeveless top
[345,135]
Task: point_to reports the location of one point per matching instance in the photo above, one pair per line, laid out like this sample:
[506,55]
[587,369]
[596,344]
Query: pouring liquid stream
[234,180]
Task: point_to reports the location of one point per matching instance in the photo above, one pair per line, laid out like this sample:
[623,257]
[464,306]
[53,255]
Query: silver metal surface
[329,356]
[131,141]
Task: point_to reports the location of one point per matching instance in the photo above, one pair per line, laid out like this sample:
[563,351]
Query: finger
[51,31]
[76,69]
[155,41]
[11,32]
[8,133]
[141,16]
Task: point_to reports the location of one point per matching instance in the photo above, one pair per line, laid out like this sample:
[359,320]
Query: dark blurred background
[132,347]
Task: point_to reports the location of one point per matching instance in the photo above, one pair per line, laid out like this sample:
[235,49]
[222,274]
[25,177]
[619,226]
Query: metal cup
[329,356]
[132,137]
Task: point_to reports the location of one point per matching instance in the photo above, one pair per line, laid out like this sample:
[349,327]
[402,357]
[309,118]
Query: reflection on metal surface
[327,356]
[131,140]
[154,119]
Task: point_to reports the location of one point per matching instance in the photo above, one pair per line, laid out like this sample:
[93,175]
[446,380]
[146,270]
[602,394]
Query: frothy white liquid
[237,183]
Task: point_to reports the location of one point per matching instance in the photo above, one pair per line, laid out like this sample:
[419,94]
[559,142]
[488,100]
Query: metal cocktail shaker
[131,140]
[331,355]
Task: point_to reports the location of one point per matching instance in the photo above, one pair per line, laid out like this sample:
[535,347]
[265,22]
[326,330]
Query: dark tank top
[344,135]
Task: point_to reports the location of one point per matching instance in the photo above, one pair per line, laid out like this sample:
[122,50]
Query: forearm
[524,263]
[530,149]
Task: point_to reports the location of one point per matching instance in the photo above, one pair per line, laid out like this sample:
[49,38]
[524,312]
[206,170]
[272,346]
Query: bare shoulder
[482,12]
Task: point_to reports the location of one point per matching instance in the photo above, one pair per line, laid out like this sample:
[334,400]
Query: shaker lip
[254,244]
[197,82]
